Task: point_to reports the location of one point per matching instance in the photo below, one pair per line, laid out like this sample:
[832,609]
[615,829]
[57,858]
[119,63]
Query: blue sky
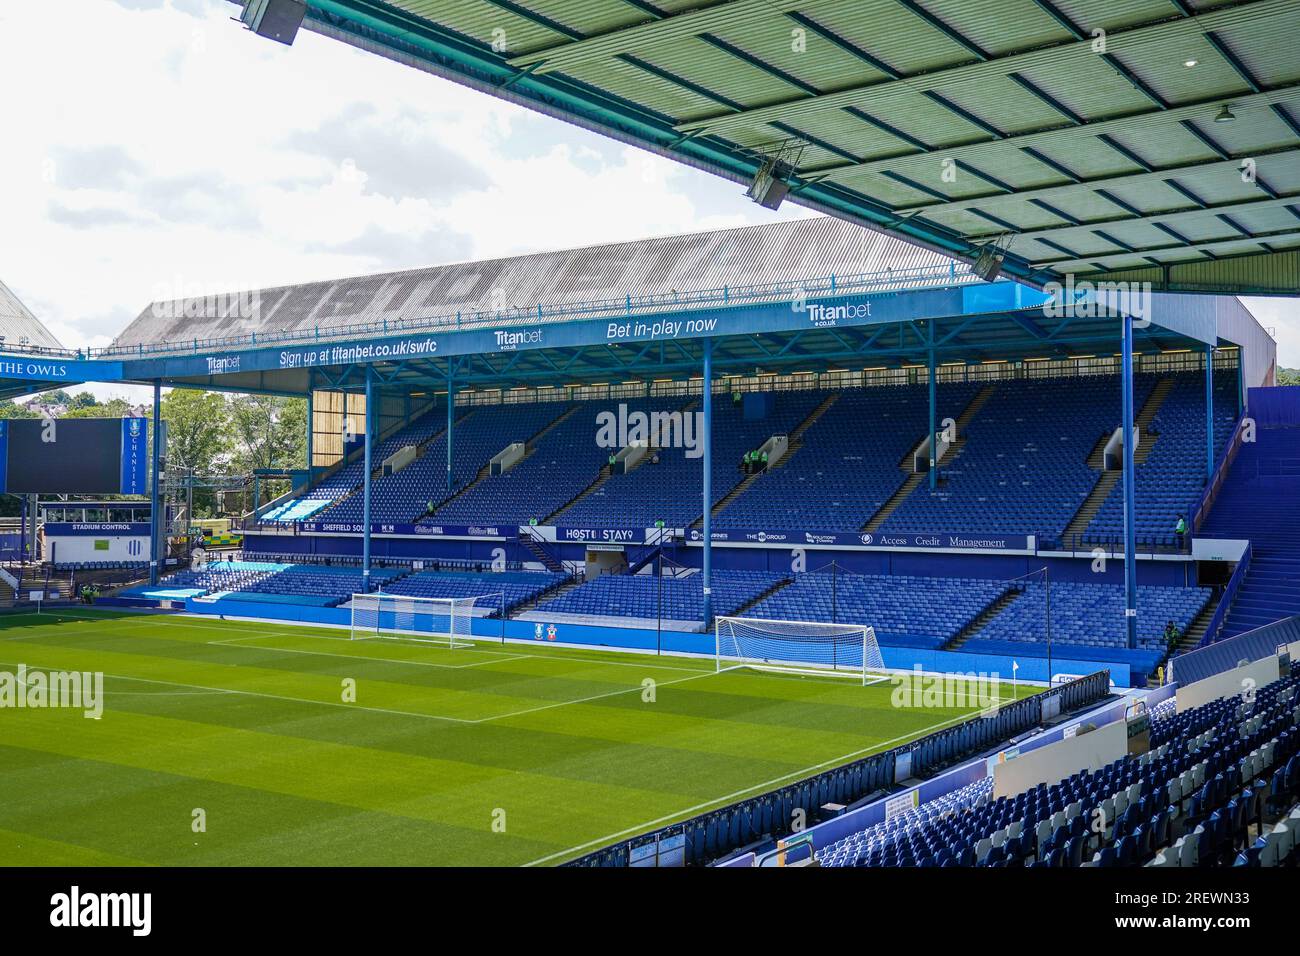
[188,156]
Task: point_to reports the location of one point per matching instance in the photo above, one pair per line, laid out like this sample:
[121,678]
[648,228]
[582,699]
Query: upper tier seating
[480,433]
[563,462]
[348,478]
[1021,467]
[673,490]
[848,465]
[1024,467]
[1172,477]
[1258,502]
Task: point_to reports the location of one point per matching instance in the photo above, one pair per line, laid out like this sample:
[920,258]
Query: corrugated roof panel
[18,326]
[478,21]
[999,28]
[751,255]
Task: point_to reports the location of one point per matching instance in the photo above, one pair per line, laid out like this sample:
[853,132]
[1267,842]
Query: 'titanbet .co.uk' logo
[73,909]
[824,316]
[508,340]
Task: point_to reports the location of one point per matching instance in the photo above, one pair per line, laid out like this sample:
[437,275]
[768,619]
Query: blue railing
[887,280]
[1225,602]
[1201,508]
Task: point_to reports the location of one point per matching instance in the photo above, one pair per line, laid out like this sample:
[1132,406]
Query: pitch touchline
[386,710]
[698,808]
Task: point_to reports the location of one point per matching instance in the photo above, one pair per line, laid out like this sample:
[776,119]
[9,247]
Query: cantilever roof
[19,327]
[663,267]
[1078,135]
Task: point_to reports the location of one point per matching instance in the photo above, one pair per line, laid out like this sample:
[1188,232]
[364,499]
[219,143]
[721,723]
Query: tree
[1288,376]
[11,409]
[269,432]
[198,426]
[113,408]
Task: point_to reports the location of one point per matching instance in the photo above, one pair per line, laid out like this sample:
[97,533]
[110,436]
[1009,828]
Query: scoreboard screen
[74,456]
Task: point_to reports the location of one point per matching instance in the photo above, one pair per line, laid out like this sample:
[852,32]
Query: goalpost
[443,621]
[799,647]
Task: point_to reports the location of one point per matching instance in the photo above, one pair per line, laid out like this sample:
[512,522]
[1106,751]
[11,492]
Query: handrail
[883,280]
[1226,601]
[1201,507]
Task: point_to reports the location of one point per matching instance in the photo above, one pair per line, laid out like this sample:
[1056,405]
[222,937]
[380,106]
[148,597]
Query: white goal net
[806,647]
[445,621]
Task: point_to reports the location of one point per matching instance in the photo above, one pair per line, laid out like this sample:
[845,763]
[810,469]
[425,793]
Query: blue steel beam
[1130,518]
[155,501]
[369,440]
[1209,413]
[708,484]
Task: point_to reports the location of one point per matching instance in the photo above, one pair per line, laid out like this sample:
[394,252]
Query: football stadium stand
[641,600]
[1212,774]
[1258,502]
[1026,458]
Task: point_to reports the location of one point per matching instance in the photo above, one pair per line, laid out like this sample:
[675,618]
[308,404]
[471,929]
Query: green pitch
[496,755]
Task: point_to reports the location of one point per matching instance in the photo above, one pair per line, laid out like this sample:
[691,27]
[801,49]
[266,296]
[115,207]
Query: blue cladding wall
[1275,406]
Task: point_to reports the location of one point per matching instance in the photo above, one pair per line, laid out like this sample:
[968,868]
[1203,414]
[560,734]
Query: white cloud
[189,154]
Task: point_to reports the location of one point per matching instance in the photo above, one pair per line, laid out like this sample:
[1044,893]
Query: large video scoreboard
[74,456]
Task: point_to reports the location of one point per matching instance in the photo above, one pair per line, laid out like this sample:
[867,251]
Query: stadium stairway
[485,472]
[377,471]
[1191,638]
[603,476]
[914,478]
[535,548]
[996,607]
[796,442]
[1258,502]
[1107,480]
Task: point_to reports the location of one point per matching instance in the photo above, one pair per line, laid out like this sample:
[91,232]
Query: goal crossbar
[446,621]
[800,647]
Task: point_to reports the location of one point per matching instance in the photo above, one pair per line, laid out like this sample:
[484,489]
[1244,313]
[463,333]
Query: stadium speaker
[988,264]
[277,19]
[768,188]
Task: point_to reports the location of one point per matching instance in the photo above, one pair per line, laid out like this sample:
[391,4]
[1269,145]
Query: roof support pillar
[369,440]
[708,483]
[451,423]
[155,502]
[1130,504]
[934,417]
[1209,413]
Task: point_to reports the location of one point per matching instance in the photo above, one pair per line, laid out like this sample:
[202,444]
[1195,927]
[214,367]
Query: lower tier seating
[1214,775]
